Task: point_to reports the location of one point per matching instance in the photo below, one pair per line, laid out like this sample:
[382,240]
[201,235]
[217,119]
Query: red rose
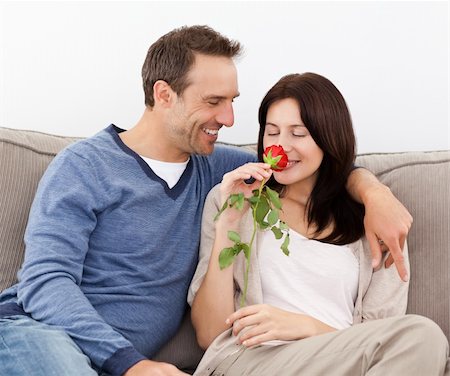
[276,157]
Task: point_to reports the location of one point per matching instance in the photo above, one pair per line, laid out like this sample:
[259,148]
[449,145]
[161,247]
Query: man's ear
[163,94]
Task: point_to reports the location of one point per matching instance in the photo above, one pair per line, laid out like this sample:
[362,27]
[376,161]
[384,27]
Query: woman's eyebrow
[291,125]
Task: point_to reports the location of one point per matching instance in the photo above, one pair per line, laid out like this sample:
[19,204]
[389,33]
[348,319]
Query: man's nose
[226,115]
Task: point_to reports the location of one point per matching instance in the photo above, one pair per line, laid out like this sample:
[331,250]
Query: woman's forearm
[214,301]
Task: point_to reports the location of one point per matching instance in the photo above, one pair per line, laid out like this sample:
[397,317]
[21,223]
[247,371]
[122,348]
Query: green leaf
[226,257]
[268,155]
[240,202]
[246,250]
[234,236]
[253,199]
[272,218]
[233,199]
[276,160]
[262,210]
[277,232]
[274,197]
[271,160]
[285,245]
[283,226]
[263,225]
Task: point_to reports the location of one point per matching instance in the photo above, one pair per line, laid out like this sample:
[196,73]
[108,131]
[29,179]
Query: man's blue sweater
[110,249]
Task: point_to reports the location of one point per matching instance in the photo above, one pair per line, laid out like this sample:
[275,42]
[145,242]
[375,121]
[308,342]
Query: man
[112,238]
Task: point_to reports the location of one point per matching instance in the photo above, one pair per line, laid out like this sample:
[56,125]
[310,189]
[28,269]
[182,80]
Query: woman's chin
[282,179]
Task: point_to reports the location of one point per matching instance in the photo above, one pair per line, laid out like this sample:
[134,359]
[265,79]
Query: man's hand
[260,323]
[151,368]
[387,223]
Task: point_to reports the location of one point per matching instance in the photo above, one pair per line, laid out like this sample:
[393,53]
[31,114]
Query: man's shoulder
[223,159]
[90,146]
[84,155]
[248,149]
[233,154]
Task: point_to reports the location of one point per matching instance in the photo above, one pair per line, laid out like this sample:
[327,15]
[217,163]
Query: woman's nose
[284,142]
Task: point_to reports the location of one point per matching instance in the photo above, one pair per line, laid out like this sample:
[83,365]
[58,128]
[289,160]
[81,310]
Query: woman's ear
[163,93]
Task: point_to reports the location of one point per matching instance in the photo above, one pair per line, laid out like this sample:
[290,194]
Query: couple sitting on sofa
[107,268]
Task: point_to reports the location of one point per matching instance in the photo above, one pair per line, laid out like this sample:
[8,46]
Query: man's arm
[61,221]
[387,221]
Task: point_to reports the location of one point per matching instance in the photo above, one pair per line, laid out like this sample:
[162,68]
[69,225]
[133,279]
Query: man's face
[205,105]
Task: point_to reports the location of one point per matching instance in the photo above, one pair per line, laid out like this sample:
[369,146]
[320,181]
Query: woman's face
[285,127]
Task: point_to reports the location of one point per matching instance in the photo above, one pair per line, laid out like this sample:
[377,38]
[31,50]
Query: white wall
[71,68]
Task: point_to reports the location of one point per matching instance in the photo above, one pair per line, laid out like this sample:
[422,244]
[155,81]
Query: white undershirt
[316,279]
[170,172]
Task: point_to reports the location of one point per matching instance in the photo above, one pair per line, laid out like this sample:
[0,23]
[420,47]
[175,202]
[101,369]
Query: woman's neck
[295,212]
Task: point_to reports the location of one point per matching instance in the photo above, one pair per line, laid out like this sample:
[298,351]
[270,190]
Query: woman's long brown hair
[325,114]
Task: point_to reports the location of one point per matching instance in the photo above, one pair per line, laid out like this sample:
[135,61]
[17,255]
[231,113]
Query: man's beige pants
[399,346]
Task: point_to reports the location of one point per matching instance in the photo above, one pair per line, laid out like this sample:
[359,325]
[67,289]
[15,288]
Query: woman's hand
[261,323]
[233,182]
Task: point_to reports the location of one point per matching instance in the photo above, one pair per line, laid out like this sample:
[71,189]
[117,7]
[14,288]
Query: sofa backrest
[421,180]
[24,156]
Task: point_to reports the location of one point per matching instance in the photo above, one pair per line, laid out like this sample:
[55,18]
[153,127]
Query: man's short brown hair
[171,56]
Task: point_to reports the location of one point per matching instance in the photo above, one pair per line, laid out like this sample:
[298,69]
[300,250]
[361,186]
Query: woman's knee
[425,333]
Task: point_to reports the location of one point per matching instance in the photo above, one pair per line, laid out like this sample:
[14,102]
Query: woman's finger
[255,337]
[245,322]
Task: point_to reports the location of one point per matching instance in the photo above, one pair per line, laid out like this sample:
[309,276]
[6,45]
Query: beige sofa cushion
[24,156]
[421,180]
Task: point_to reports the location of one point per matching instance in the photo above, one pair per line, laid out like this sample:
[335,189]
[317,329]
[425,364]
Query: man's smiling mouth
[211,132]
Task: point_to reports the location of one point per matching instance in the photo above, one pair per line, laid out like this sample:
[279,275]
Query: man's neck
[149,139]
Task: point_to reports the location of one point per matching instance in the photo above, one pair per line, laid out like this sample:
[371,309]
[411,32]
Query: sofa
[421,180]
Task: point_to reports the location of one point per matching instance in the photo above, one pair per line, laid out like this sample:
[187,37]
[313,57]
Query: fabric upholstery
[24,156]
[421,180]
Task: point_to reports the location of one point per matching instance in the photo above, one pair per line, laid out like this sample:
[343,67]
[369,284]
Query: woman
[304,309]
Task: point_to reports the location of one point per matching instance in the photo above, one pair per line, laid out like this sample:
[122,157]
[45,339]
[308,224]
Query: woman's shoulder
[214,194]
